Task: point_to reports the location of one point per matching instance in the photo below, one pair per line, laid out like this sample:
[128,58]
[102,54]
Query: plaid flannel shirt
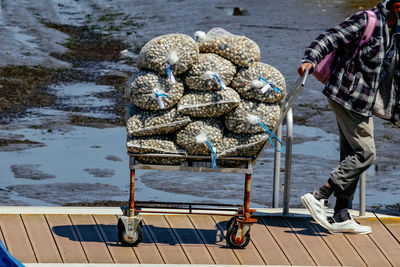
[353,82]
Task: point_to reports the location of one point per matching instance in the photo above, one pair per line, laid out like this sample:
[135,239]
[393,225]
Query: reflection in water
[282,29]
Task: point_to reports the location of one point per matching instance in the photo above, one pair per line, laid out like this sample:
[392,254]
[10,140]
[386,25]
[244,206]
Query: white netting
[178,50]
[194,136]
[240,50]
[151,91]
[145,123]
[208,103]
[239,145]
[249,116]
[199,109]
[260,82]
[211,72]
[157,145]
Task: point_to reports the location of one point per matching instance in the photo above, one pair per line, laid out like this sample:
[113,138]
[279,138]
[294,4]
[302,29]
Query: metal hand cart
[238,227]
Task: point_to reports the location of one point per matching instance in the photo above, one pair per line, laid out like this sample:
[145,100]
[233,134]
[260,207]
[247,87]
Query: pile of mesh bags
[204,96]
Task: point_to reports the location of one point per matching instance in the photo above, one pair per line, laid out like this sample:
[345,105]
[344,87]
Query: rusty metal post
[132,194]
[246,207]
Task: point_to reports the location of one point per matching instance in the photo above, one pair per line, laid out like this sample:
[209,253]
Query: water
[87,164]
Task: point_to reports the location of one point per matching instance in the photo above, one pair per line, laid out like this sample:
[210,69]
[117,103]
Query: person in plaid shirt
[351,91]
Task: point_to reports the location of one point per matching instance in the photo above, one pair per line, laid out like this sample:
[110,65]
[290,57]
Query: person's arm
[346,32]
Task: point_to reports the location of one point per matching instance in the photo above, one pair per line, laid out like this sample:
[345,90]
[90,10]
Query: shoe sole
[350,232]
[305,203]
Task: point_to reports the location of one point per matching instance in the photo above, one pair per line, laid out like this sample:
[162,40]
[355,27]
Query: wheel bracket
[242,230]
[130,224]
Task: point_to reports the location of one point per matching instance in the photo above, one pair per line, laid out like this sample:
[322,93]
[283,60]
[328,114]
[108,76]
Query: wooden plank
[393,225]
[266,245]
[340,247]
[2,238]
[165,240]
[16,238]
[147,251]
[312,241]
[91,239]
[368,250]
[388,245]
[108,228]
[288,241]
[190,241]
[41,238]
[247,256]
[66,239]
[214,240]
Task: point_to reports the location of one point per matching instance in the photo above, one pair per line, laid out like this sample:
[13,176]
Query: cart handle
[292,96]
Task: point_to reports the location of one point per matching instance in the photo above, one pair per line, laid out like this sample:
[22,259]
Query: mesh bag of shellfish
[157,145]
[207,104]
[211,72]
[238,49]
[199,137]
[145,123]
[151,91]
[242,145]
[260,82]
[252,117]
[170,54]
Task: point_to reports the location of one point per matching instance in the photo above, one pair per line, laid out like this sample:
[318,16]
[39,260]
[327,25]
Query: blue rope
[269,133]
[213,159]
[276,89]
[219,81]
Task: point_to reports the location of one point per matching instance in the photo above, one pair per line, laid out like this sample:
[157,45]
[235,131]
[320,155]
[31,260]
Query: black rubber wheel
[123,237]
[230,238]
[231,222]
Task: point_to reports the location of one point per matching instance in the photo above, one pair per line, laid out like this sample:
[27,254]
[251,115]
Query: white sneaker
[317,209]
[349,227]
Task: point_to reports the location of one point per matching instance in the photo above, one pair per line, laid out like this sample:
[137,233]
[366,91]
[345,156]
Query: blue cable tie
[169,69]
[276,89]
[169,73]
[269,133]
[213,158]
[161,95]
[219,81]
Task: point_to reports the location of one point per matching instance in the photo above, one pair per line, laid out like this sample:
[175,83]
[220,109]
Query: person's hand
[303,68]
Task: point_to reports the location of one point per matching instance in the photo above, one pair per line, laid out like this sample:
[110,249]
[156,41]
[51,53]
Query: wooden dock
[67,236]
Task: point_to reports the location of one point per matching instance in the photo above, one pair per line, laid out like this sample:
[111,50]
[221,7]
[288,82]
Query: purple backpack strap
[370,28]
[372,21]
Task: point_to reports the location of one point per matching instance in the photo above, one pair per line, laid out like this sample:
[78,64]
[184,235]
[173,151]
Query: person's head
[394,12]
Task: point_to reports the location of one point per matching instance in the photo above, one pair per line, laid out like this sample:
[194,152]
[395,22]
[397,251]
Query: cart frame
[238,227]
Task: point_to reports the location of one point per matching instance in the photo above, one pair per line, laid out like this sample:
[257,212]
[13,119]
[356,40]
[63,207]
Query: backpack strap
[370,28]
[372,21]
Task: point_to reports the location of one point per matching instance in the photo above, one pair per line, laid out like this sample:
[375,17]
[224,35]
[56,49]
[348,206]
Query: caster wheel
[124,238]
[231,235]
[230,223]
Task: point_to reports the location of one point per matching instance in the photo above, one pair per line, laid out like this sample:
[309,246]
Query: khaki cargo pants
[357,149]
